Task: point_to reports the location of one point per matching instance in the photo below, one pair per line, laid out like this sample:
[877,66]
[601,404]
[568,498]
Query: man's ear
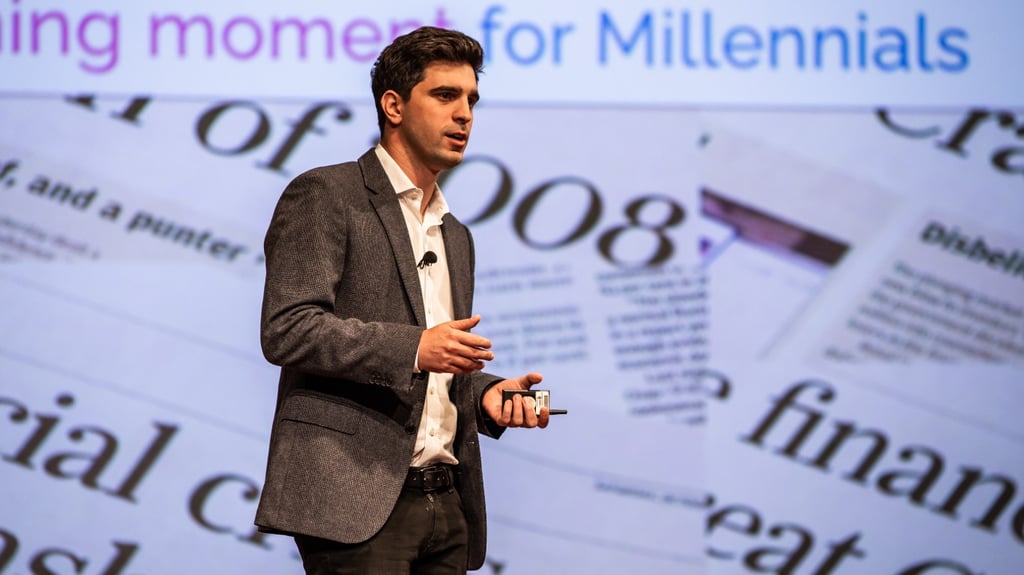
[391,103]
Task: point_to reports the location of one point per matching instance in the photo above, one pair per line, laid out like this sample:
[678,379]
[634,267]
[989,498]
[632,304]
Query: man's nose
[464,113]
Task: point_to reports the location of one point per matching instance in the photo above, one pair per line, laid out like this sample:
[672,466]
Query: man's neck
[422,177]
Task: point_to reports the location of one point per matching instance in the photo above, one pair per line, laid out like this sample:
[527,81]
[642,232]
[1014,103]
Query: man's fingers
[520,411]
[465,324]
[448,348]
[506,411]
[473,340]
[517,411]
[451,363]
[462,364]
[529,403]
[529,412]
[529,380]
[471,353]
[543,418]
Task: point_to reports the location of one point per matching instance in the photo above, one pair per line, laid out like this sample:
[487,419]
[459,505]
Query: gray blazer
[342,316]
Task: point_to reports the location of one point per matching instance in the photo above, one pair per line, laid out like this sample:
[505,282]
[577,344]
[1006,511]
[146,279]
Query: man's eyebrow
[473,93]
[445,88]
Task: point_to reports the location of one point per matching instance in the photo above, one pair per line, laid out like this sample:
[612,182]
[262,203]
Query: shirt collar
[402,184]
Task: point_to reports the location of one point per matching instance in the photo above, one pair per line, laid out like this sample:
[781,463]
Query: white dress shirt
[437,426]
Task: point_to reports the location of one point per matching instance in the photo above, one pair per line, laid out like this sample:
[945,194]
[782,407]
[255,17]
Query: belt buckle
[435,478]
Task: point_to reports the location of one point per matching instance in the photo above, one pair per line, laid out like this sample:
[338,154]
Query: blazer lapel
[385,202]
[459,251]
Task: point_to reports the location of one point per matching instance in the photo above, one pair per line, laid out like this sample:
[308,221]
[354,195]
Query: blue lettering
[708,35]
[898,49]
[777,36]
[960,53]
[488,25]
[742,39]
[525,43]
[676,40]
[922,43]
[821,36]
[644,30]
[538,43]
[685,40]
[862,42]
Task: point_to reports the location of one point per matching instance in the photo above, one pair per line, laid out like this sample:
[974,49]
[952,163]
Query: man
[374,463]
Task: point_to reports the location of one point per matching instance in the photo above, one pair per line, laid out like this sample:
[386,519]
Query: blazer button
[410,429]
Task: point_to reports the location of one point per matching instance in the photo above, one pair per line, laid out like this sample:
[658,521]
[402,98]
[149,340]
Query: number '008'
[650,214]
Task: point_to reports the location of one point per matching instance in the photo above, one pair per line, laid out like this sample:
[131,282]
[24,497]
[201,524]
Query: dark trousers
[425,535]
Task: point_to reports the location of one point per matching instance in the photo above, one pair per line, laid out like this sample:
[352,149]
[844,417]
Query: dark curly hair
[401,65]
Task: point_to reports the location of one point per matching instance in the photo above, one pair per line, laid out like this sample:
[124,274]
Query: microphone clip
[429,258]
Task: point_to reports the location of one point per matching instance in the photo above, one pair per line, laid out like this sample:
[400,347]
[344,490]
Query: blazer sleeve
[305,249]
[481,382]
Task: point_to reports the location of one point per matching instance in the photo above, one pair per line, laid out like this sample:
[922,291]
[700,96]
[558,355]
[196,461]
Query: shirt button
[431,391]
[433,432]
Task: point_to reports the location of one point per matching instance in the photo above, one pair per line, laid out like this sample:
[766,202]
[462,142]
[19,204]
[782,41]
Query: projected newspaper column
[134,394]
[586,273]
[865,340]
[951,292]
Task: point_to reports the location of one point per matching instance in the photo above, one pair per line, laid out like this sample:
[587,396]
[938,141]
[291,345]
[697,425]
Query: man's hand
[519,411]
[450,348]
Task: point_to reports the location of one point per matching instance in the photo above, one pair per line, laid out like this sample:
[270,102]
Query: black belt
[431,478]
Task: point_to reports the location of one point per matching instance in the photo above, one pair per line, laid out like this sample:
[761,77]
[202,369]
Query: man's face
[438,116]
